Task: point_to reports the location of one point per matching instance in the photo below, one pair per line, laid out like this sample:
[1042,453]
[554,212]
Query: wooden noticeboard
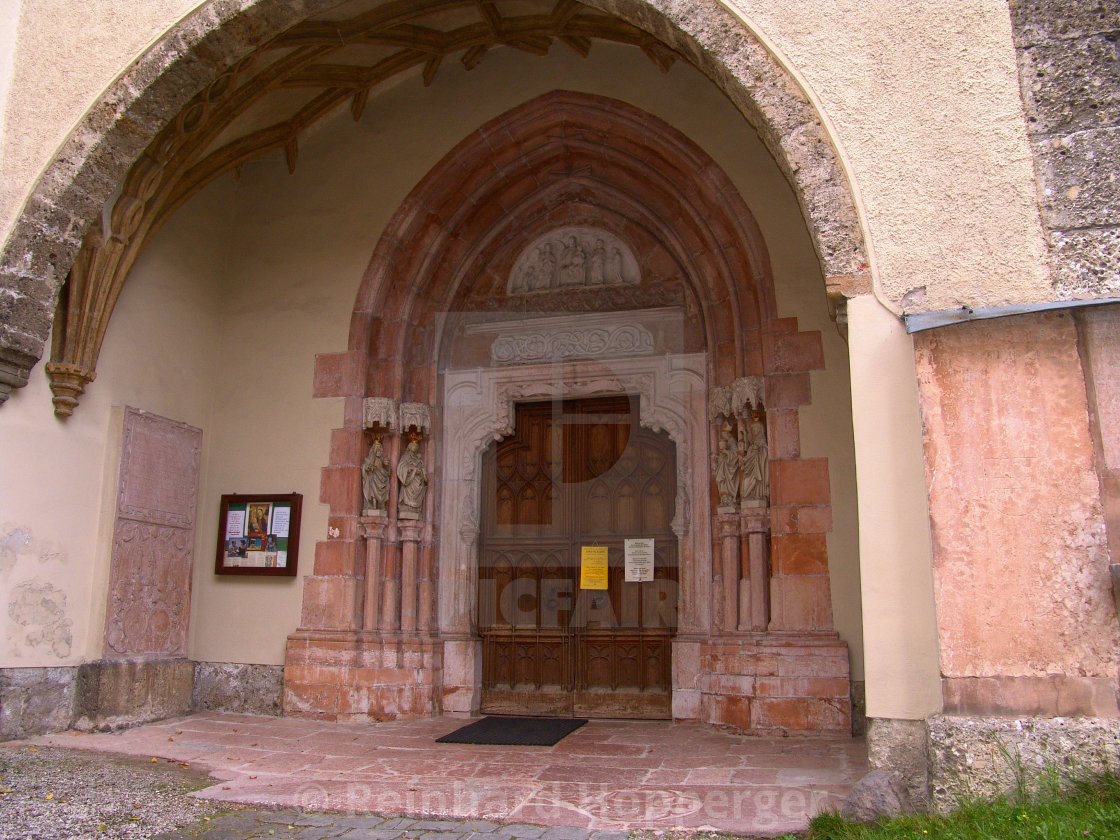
[259,535]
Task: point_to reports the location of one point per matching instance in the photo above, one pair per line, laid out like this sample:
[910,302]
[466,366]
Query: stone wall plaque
[153,537]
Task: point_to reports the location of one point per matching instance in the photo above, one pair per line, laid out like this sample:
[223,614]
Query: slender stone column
[410,546]
[374,530]
[389,619]
[756,612]
[425,591]
[729,565]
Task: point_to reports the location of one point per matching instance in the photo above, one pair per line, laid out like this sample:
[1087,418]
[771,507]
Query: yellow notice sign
[593,567]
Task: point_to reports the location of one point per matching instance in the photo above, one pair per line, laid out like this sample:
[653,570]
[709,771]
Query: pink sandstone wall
[1026,620]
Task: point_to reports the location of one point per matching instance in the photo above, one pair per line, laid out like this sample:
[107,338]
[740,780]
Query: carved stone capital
[416,416]
[728,524]
[379,412]
[68,383]
[373,527]
[756,520]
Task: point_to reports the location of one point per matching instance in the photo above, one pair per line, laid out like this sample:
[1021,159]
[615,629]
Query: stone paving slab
[608,776]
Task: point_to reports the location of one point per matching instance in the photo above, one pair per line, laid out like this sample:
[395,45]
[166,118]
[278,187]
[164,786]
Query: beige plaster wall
[899,619]
[300,244]
[64,53]
[923,102]
[922,99]
[58,478]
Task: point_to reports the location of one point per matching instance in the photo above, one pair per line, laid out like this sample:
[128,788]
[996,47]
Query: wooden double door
[576,473]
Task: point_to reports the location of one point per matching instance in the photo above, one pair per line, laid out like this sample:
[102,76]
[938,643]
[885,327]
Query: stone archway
[394,591]
[133,137]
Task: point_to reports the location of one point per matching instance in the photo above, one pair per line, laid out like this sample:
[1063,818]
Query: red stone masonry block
[794,353]
[785,434]
[800,554]
[802,482]
[347,447]
[328,603]
[340,487]
[727,711]
[790,713]
[337,374]
[821,687]
[337,557]
[825,662]
[314,701]
[347,526]
[788,390]
[1048,696]
[799,519]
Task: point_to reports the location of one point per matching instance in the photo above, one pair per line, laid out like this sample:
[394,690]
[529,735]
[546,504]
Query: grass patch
[1082,809]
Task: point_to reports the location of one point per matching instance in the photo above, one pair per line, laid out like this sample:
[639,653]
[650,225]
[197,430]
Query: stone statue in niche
[413,478]
[572,258]
[375,480]
[754,464]
[725,469]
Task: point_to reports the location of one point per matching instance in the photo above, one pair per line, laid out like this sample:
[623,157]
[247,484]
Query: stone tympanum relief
[150,574]
[571,258]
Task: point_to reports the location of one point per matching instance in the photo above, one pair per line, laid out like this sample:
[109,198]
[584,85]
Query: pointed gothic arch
[400,588]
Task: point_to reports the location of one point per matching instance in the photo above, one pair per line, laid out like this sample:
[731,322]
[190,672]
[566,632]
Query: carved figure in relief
[546,267]
[598,264]
[725,468]
[573,264]
[413,478]
[754,464]
[375,478]
[614,267]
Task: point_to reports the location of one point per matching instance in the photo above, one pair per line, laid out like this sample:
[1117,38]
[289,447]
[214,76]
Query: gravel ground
[48,793]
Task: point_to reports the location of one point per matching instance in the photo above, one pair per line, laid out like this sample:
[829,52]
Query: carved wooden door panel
[573,474]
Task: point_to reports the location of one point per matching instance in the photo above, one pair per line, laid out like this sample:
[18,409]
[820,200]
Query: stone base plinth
[243,689]
[351,676]
[777,683]
[112,694]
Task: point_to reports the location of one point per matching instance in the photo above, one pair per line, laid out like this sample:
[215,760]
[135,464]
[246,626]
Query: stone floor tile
[605,834]
[521,830]
[565,833]
[479,826]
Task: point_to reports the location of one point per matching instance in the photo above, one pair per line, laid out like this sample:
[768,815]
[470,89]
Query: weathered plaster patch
[19,540]
[39,613]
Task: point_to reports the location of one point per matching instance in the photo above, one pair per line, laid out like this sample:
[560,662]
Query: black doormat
[514,731]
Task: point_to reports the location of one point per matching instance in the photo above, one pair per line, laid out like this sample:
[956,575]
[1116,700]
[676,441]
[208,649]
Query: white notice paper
[281,516]
[639,560]
[235,524]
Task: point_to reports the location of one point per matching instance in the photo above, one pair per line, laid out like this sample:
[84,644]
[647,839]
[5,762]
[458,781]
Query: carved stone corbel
[416,417]
[380,413]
